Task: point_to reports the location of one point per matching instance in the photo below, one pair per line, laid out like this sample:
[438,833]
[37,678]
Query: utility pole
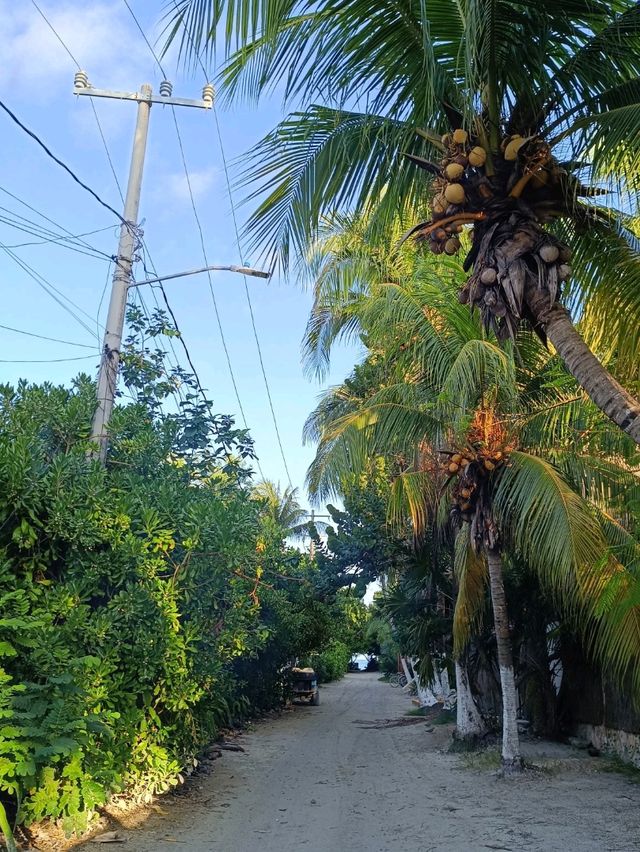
[312,520]
[110,358]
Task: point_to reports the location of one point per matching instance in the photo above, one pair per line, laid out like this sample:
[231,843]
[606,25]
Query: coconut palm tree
[282,507]
[513,118]
[449,386]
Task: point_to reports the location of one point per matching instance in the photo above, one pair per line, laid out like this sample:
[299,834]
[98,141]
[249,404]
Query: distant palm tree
[515,117]
[283,508]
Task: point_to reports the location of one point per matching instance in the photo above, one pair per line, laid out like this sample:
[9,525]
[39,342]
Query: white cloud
[101,36]
[175,185]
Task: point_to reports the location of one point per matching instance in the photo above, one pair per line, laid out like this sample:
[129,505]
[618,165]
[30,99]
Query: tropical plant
[144,604]
[515,119]
[282,508]
[450,388]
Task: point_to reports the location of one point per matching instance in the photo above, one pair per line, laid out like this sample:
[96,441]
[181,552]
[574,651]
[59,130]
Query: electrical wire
[44,337]
[63,165]
[180,397]
[34,136]
[214,301]
[47,219]
[237,235]
[21,223]
[146,40]
[203,246]
[44,360]
[61,239]
[48,287]
[199,226]
[93,106]
[249,303]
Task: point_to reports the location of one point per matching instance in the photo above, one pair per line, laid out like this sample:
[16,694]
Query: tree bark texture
[608,394]
[511,759]
[469,723]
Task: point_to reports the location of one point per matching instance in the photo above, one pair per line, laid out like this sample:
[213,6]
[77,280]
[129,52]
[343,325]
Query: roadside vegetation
[144,606]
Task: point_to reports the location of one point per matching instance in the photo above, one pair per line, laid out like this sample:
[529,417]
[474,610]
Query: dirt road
[320,780]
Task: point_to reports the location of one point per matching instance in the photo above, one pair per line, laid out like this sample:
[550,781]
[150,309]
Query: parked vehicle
[304,685]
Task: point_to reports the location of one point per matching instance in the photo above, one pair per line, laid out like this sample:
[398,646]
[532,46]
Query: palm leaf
[471,573]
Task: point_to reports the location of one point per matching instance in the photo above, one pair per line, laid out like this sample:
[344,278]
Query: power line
[209,277]
[93,106]
[45,360]
[54,239]
[237,234]
[248,295]
[27,225]
[63,165]
[144,36]
[117,182]
[47,286]
[44,337]
[47,219]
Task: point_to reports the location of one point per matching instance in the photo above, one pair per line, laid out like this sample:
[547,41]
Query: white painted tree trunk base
[469,723]
[511,758]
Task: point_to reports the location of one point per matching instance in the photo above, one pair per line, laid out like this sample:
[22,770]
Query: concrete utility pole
[110,359]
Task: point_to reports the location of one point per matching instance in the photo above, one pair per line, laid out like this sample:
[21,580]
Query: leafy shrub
[331,663]
[143,606]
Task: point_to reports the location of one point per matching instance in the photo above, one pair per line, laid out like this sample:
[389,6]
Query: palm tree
[455,388]
[282,508]
[515,118]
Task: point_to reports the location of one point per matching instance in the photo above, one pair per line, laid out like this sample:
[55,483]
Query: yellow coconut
[454,171]
[454,193]
[466,493]
[456,458]
[511,151]
[452,245]
[477,156]
[460,136]
[453,468]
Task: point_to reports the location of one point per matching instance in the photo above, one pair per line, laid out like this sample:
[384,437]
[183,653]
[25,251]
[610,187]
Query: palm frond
[605,291]
[414,495]
[471,573]
[546,523]
[560,536]
[320,160]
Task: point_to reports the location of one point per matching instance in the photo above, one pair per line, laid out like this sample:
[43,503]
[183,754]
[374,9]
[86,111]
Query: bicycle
[398,679]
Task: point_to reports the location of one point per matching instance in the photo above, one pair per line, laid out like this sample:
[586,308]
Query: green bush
[142,607]
[331,663]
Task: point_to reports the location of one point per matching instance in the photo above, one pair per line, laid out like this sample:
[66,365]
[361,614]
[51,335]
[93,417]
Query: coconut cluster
[497,285]
[471,467]
[507,197]
[460,168]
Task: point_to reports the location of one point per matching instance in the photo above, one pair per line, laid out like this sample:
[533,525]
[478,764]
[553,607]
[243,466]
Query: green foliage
[331,663]
[143,606]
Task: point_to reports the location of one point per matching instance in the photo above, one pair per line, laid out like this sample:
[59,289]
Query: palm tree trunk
[603,389]
[511,759]
[469,724]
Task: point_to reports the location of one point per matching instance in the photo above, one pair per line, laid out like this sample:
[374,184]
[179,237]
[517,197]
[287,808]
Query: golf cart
[304,684]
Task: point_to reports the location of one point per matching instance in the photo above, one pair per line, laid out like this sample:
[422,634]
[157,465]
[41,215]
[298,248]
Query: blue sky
[36,81]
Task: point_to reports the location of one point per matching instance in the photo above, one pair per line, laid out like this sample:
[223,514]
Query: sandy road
[316,780]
